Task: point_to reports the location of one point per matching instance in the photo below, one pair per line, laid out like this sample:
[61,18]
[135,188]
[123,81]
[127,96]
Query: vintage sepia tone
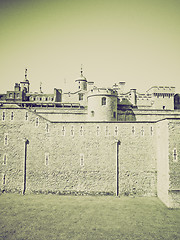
[97,141]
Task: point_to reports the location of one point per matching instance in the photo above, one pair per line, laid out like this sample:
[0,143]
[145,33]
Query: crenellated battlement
[102,91]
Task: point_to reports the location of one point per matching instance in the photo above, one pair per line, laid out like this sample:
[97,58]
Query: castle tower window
[4,179]
[5,139]
[72,131]
[63,131]
[46,159]
[133,130]
[142,131]
[98,131]
[37,122]
[103,101]
[81,131]
[47,128]
[116,130]
[10,95]
[5,159]
[107,131]
[81,159]
[12,115]
[3,116]
[164,107]
[92,113]
[151,130]
[26,116]
[175,157]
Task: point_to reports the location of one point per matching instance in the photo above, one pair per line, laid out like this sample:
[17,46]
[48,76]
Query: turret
[133,97]
[102,104]
[82,82]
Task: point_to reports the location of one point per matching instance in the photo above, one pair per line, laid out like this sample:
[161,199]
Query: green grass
[86,217]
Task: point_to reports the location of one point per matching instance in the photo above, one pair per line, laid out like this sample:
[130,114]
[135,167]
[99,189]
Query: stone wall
[162,161]
[174,163]
[155,115]
[81,157]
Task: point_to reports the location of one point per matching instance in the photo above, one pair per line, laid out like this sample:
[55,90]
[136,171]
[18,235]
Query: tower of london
[94,140]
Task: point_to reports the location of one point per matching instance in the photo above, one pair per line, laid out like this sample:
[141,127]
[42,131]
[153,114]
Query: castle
[91,141]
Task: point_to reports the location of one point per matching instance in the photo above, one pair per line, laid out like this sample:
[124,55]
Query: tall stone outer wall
[71,157]
[162,161]
[155,115]
[64,115]
[174,163]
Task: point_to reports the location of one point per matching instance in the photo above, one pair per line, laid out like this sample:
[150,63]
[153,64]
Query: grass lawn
[86,217]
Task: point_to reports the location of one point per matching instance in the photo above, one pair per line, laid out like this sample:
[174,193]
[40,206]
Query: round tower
[82,82]
[102,104]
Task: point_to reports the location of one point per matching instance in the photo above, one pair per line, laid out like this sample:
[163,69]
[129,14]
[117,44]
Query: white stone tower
[82,82]
[102,104]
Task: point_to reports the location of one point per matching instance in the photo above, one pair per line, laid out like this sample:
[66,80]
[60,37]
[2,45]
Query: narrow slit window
[46,159]
[4,159]
[116,130]
[72,131]
[107,131]
[37,122]
[142,131]
[151,130]
[12,116]
[5,139]
[81,159]
[97,130]
[3,116]
[63,131]
[26,116]
[175,157]
[47,128]
[4,179]
[81,131]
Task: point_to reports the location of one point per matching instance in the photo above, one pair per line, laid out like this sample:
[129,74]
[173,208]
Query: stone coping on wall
[168,119]
[115,122]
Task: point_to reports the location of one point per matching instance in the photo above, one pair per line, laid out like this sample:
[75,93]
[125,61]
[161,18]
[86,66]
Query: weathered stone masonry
[91,141]
[81,155]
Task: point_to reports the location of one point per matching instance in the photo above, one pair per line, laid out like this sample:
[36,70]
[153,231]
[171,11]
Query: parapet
[102,91]
[161,89]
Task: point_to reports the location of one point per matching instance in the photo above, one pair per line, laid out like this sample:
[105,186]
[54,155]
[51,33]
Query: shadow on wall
[125,111]
[177,101]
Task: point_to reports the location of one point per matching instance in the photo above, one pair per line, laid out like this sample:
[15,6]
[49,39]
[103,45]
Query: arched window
[103,101]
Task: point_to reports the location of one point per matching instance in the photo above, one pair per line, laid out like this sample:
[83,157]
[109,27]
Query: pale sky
[136,41]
